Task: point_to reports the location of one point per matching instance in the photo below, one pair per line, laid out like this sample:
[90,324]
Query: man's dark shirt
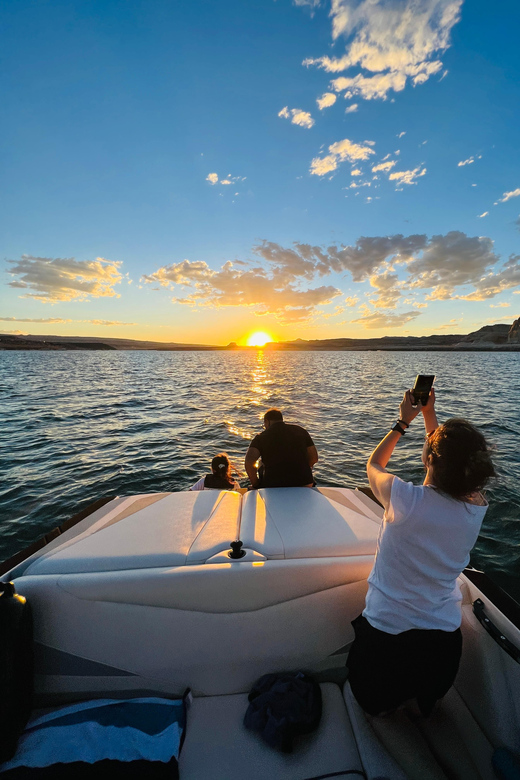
[283,449]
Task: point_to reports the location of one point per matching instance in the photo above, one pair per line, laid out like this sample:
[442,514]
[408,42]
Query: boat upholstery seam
[203,612]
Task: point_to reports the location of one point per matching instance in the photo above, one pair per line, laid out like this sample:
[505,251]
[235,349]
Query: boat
[145,596]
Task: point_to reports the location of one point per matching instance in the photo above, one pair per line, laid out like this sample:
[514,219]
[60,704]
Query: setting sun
[258,339]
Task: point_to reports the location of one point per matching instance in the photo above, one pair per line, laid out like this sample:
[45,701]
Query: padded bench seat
[219,747]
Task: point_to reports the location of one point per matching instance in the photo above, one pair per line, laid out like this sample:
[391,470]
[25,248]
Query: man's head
[272,416]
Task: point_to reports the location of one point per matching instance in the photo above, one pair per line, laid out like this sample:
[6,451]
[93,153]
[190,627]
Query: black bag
[16,668]
[283,706]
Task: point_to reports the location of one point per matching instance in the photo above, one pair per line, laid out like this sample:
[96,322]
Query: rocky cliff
[513,337]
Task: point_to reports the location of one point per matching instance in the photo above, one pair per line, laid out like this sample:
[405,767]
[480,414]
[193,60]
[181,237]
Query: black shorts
[386,670]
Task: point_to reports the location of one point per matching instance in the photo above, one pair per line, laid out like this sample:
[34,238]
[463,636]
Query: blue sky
[197,171]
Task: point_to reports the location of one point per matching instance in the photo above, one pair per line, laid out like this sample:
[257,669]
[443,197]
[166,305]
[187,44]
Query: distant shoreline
[490,338]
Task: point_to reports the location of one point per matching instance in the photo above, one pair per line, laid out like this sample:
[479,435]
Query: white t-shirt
[424,544]
[200,485]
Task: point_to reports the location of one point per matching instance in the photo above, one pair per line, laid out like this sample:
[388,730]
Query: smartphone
[421,389]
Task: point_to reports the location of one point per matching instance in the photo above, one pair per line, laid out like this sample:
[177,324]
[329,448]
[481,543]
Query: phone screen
[421,389]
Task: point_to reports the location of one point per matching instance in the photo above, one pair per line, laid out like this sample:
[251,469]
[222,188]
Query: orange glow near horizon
[259,339]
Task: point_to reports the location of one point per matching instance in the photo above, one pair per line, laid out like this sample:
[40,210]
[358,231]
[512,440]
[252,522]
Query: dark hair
[274,415]
[221,466]
[461,459]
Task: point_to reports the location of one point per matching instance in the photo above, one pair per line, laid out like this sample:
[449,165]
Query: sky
[195,172]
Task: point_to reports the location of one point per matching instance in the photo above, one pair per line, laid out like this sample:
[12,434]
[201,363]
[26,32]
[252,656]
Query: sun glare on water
[259,339]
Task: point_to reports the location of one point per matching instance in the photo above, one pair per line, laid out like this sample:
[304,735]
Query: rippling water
[76,426]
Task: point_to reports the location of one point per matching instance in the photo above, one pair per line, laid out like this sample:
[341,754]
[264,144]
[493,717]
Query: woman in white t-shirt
[408,641]
[220,477]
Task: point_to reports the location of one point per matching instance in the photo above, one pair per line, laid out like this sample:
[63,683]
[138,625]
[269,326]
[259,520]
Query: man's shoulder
[298,430]
[296,427]
[258,439]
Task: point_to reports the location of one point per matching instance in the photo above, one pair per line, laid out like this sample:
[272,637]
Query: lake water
[76,426]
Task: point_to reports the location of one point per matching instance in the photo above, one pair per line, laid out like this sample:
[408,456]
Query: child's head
[221,466]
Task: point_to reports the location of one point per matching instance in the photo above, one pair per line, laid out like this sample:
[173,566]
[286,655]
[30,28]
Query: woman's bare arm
[379,478]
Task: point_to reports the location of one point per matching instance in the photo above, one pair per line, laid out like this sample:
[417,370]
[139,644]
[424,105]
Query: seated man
[287,451]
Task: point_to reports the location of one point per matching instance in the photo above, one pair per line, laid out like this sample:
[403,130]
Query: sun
[258,339]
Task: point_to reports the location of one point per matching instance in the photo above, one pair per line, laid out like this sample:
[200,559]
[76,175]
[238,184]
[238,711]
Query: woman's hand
[430,405]
[407,411]
[429,414]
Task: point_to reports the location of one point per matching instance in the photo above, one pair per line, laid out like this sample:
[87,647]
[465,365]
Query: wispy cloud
[396,44]
[378,319]
[351,109]
[469,161]
[384,166]
[213,178]
[508,195]
[407,177]
[307,3]
[400,135]
[453,323]
[480,216]
[326,100]
[503,305]
[60,320]
[297,116]
[339,152]
[64,279]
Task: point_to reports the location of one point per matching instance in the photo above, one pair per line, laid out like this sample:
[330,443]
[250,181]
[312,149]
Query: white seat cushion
[219,747]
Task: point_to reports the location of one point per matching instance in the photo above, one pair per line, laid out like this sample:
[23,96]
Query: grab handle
[493,631]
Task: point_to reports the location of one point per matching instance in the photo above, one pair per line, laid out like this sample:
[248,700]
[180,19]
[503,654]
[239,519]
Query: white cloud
[351,109]
[212,178]
[307,3]
[65,279]
[397,43]
[339,152]
[469,161]
[322,165]
[483,215]
[387,286]
[347,150]
[400,135]
[297,116]
[407,177]
[508,195]
[326,100]
[352,300]
[355,172]
[384,166]
[503,305]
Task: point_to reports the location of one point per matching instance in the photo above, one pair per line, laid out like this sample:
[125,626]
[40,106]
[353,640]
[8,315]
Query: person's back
[423,546]
[287,452]
[220,477]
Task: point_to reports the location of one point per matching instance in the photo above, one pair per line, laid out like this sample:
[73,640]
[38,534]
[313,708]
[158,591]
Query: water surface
[76,426]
